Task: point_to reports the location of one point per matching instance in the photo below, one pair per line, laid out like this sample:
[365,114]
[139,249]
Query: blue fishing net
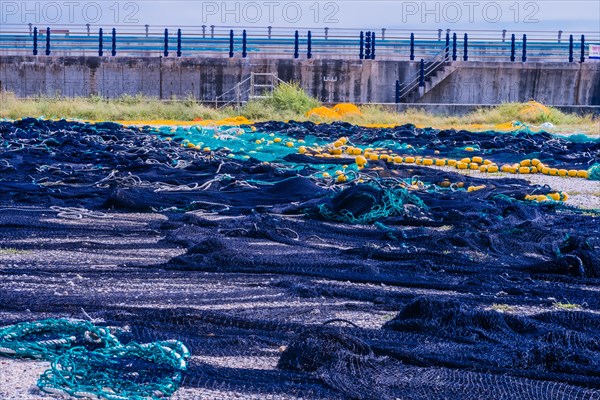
[283,282]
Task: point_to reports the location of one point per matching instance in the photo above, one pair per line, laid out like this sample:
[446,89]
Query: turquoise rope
[89,361]
[594,173]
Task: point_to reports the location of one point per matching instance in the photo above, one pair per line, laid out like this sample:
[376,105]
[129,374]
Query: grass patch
[290,102]
[502,307]
[99,109]
[291,98]
[531,113]
[11,252]
[567,306]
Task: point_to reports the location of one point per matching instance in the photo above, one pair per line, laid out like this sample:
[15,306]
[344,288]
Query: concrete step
[439,76]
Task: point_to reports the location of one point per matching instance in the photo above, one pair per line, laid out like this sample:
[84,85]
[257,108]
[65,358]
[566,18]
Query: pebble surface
[19,377]
[583,193]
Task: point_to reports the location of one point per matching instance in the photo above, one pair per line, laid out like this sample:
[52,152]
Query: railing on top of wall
[302,43]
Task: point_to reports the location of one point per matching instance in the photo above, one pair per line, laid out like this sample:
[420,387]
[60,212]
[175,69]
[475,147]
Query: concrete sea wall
[358,81]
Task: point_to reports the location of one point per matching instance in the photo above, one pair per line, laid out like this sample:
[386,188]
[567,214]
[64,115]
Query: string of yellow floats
[361,158]
[340,149]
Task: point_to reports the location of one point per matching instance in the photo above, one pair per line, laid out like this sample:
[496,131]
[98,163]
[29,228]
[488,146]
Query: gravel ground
[19,378]
[107,247]
[583,193]
[77,260]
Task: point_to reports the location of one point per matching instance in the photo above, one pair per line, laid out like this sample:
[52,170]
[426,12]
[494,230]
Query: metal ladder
[250,88]
[264,89]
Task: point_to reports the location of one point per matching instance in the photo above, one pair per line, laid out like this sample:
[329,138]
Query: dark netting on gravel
[290,288]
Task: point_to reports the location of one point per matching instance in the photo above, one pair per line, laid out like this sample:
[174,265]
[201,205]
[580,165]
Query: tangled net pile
[286,284]
[88,361]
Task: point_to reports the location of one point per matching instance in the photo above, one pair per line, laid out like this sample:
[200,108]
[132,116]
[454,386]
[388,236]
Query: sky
[513,15]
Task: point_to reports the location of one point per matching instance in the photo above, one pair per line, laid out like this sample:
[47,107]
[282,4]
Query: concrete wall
[492,83]
[355,80]
[202,78]
[462,109]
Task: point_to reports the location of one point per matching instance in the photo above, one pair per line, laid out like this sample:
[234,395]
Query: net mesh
[88,361]
[285,284]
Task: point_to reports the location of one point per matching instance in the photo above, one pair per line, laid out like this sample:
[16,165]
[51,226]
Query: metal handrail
[135,40]
[237,88]
[412,82]
[389,32]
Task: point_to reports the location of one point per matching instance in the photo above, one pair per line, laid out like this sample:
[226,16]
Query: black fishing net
[286,287]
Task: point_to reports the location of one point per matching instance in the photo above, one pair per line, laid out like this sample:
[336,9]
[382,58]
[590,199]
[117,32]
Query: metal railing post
[582,59]
[296,44]
[244,44]
[368,45]
[466,48]
[372,45]
[114,42]
[100,42]
[35,41]
[361,54]
[570,48]
[412,47]
[48,41]
[524,57]
[269,30]
[230,43]
[87,27]
[513,48]
[178,42]
[447,48]
[166,46]
[454,46]
[147,30]
[309,45]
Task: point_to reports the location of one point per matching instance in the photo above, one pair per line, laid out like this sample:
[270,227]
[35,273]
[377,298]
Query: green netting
[239,142]
[386,202]
[243,143]
[594,173]
[89,361]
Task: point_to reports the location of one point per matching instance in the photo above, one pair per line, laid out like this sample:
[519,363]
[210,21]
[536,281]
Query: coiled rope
[89,361]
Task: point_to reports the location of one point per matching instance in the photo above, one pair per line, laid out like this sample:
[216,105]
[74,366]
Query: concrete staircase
[438,76]
[436,70]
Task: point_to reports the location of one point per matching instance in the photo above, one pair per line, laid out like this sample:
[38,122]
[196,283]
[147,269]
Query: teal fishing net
[89,361]
[594,173]
[366,204]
